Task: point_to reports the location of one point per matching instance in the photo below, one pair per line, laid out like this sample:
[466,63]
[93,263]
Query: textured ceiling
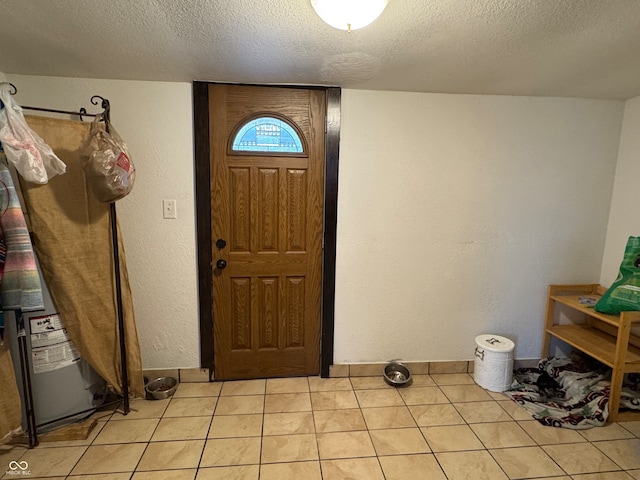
[576,48]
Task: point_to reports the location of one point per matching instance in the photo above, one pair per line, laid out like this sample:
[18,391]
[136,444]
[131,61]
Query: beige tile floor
[443,427]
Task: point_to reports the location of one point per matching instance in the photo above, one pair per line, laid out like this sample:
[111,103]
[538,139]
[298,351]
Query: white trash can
[493,365]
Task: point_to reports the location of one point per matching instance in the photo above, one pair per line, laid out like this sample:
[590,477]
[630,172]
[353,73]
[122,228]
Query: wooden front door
[266,227]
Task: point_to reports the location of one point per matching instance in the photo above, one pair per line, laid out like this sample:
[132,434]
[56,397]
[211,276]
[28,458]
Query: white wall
[624,219]
[155,119]
[455,212]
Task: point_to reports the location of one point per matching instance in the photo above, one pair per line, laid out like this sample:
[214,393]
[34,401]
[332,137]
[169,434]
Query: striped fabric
[20,283]
[3,256]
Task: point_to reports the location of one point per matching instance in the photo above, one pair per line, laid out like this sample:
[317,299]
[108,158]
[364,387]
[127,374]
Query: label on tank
[51,348]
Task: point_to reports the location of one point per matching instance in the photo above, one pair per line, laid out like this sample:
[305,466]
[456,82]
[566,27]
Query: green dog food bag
[624,294]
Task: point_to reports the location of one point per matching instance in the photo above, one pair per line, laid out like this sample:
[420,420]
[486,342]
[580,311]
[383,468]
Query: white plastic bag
[26,151]
[108,167]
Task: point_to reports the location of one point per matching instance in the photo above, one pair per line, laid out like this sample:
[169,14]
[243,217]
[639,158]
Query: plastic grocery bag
[108,167]
[624,294]
[27,152]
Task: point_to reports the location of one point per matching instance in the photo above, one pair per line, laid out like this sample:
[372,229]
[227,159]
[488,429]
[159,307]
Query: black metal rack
[24,358]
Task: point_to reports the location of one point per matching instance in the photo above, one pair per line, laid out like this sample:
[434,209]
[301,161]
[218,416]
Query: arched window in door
[267,134]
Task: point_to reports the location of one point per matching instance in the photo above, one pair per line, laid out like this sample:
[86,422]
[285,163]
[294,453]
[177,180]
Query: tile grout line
[422,433]
[537,443]
[466,423]
[369,430]
[608,457]
[404,402]
[206,439]
[92,441]
[264,404]
[486,449]
[152,433]
[315,428]
[490,450]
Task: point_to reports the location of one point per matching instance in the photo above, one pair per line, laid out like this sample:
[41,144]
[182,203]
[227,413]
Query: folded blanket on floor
[569,398]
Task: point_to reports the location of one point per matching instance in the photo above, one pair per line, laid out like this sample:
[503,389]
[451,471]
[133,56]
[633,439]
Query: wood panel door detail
[266,209]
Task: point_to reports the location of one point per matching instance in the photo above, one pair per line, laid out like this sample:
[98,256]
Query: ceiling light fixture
[349,14]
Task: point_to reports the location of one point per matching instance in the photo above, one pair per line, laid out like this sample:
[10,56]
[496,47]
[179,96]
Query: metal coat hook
[12,91]
[106,115]
[82,112]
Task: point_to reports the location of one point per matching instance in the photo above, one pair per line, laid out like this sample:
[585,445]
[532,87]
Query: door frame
[203,220]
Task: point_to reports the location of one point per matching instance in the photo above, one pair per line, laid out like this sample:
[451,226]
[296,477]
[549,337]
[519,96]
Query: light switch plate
[169,209]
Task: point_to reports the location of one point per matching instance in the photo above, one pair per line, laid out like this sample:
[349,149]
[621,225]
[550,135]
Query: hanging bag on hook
[26,151]
[108,167]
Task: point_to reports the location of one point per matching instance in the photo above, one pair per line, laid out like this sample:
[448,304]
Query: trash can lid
[495,343]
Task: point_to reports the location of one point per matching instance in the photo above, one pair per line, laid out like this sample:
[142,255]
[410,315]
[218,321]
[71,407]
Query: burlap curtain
[10,409]
[73,244]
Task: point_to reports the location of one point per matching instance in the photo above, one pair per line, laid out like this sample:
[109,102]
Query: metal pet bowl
[397,375]
[162,387]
